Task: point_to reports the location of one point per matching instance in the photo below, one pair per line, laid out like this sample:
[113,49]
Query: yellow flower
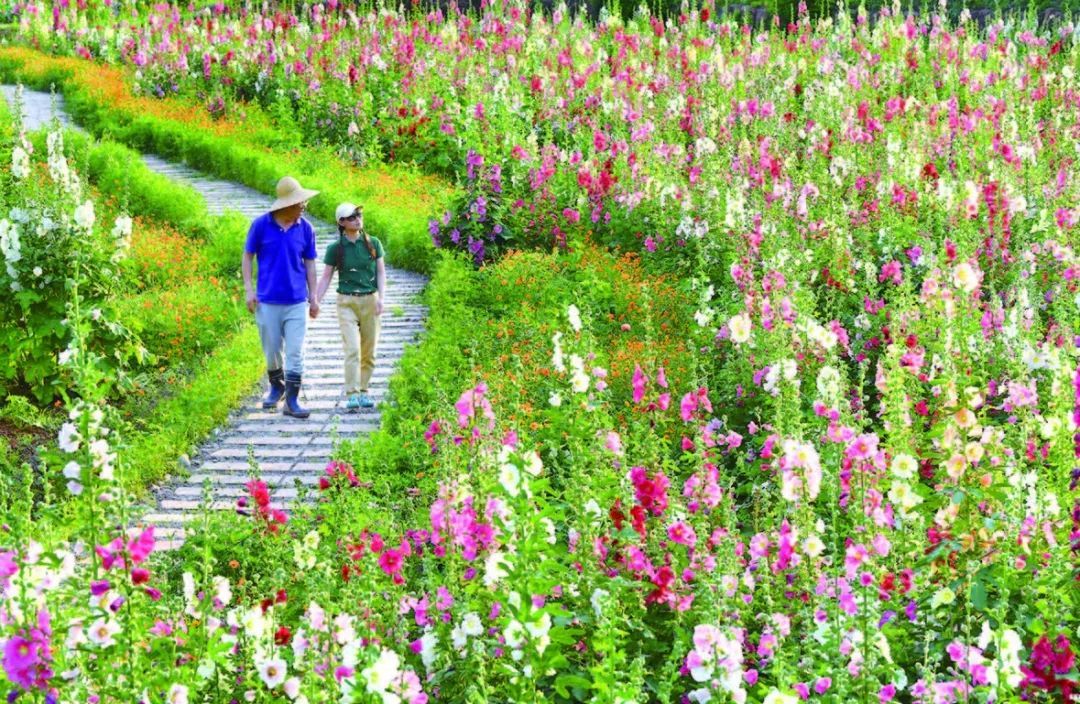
[943,597]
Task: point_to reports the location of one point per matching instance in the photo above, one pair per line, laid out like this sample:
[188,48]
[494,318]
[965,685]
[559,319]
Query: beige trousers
[359,333]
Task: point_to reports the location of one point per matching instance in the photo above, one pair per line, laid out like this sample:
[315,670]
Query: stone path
[287,450]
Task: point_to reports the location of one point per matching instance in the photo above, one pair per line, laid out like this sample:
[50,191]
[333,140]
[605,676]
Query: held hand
[252,302]
[313,310]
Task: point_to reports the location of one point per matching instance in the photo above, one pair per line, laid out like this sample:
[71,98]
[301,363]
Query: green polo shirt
[357,275]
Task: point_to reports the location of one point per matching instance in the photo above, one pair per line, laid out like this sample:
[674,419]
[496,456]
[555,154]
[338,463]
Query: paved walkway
[287,450]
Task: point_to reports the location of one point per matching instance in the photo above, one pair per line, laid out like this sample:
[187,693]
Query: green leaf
[978,595]
[562,682]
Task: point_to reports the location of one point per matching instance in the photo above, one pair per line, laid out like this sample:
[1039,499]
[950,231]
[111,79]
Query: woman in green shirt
[358,259]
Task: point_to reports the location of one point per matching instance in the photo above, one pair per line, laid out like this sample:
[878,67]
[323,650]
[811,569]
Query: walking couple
[282,244]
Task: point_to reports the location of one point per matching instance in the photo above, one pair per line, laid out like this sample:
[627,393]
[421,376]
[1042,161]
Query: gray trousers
[282,327]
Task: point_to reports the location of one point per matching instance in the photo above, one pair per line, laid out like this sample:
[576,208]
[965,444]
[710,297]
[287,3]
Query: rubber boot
[292,403]
[277,388]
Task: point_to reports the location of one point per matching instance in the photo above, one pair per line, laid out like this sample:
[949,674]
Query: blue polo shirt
[280,253]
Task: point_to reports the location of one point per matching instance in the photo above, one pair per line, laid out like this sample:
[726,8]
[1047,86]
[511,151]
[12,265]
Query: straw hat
[289,192]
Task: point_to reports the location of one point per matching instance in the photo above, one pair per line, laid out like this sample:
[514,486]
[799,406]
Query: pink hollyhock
[682,533]
[141,547]
[692,401]
[8,566]
[471,402]
[111,554]
[391,561]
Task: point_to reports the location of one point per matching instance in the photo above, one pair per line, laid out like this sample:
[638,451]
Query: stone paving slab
[271,479]
[226,492]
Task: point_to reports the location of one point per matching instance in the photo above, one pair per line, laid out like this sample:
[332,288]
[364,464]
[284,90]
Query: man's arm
[249,292]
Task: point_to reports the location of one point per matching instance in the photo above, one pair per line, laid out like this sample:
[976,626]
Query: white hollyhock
[20,163]
[272,672]
[84,215]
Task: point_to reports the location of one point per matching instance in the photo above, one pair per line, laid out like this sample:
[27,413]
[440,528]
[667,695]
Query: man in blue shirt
[283,244]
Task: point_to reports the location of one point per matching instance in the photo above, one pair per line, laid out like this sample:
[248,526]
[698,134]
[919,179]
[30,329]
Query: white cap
[345,210]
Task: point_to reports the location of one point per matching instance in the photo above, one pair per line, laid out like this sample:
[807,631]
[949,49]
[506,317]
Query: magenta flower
[682,533]
[8,566]
[141,547]
[472,401]
[638,382]
[27,655]
[692,401]
[391,561]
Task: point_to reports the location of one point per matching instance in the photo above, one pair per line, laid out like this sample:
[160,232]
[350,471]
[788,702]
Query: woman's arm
[324,282]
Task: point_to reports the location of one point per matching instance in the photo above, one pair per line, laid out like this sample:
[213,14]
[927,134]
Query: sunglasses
[354,216]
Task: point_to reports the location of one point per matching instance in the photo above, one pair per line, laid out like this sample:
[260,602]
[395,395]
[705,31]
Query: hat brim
[293,199]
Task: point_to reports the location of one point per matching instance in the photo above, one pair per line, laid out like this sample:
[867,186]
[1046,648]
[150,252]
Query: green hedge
[179,423]
[402,225]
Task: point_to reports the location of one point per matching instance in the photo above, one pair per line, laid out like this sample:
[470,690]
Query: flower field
[752,370]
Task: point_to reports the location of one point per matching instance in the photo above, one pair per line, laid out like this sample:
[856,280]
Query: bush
[52,235]
[224,243]
[182,323]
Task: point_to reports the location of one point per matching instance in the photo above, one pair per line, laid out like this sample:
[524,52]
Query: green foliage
[51,235]
[193,408]
[224,241]
[119,171]
[183,323]
[258,159]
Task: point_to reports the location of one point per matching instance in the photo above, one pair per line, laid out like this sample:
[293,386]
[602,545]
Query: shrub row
[397,201]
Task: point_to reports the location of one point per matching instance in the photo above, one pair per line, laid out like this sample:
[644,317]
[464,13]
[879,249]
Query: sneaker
[354,403]
[365,401]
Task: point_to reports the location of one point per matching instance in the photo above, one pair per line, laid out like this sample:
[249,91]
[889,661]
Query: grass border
[182,421]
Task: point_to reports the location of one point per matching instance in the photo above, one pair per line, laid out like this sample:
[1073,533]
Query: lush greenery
[832,453]
[242,145]
[162,286]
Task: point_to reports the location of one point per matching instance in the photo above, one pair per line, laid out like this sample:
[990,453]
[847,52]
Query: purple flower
[476,248]
[473,160]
